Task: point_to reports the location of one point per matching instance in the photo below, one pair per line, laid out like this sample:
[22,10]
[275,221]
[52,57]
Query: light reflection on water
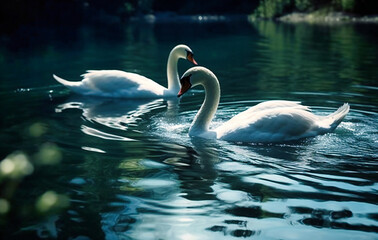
[132,172]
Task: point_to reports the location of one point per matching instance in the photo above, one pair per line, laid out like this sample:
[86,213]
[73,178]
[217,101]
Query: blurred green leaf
[49,154]
[15,166]
[37,129]
[4,206]
[50,201]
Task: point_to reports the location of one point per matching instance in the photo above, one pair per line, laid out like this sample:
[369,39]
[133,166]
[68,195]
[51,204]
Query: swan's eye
[190,57]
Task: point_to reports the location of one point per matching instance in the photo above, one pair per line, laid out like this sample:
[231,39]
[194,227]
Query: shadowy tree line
[277,8]
[17,12]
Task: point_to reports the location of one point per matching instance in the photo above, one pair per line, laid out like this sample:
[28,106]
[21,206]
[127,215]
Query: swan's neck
[172,73]
[202,120]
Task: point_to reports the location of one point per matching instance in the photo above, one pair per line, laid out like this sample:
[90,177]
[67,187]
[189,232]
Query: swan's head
[183,51]
[193,77]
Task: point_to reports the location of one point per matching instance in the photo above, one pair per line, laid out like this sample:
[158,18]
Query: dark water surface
[123,169]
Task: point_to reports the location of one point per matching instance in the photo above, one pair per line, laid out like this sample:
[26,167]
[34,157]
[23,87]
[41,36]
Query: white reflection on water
[114,113]
[91,149]
[96,133]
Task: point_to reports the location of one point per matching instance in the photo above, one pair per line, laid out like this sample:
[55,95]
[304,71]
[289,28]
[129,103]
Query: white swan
[115,83]
[271,121]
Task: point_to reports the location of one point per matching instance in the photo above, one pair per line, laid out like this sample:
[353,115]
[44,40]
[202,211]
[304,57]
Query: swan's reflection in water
[118,114]
[114,113]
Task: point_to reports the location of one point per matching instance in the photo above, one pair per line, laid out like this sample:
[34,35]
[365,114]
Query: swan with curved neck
[115,83]
[270,121]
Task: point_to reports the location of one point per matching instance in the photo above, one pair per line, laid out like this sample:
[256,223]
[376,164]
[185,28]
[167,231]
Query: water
[123,169]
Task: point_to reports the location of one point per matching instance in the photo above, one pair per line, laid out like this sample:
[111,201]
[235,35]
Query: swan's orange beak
[190,58]
[185,85]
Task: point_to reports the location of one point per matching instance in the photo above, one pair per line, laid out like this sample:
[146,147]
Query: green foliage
[345,5]
[272,8]
[303,5]
[348,5]
[277,8]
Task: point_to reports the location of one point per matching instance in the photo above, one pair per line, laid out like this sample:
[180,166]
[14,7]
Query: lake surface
[99,168]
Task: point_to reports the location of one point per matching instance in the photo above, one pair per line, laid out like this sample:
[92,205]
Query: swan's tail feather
[334,119]
[66,83]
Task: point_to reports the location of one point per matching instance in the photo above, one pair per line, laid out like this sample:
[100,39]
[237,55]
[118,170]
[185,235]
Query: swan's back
[114,83]
[269,105]
[278,124]
[274,125]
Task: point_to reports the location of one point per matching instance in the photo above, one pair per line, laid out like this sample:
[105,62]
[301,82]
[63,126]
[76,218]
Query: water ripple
[97,133]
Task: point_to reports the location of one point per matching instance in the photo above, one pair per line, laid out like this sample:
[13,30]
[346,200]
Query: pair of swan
[270,121]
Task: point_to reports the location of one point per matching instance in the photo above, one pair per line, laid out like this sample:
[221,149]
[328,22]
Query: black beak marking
[185,79]
[185,85]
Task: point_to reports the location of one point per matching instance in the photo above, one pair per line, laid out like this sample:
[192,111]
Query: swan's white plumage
[278,124]
[271,121]
[115,83]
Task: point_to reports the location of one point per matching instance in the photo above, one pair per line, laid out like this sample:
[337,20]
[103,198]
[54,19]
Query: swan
[267,122]
[115,83]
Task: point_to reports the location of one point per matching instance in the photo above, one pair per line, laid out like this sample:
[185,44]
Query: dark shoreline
[314,17]
[296,17]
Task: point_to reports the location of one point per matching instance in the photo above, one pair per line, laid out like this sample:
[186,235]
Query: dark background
[14,13]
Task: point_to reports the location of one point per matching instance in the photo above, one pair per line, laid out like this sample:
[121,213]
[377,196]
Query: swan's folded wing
[274,125]
[269,105]
[119,83]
